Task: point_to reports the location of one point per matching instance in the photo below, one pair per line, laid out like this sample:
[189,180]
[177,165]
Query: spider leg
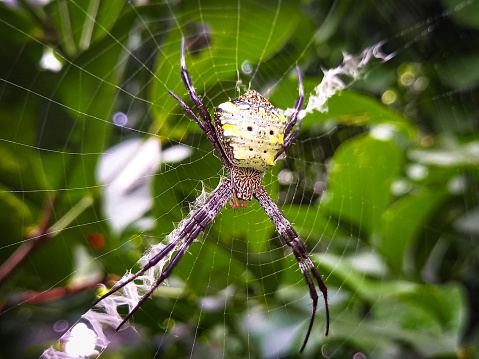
[192,229]
[292,239]
[151,263]
[207,124]
[298,105]
[166,273]
[234,205]
[189,111]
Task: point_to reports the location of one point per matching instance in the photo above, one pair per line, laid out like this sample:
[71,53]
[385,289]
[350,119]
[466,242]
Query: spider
[248,134]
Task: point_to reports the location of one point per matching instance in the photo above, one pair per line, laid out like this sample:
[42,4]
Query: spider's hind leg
[292,239]
[188,234]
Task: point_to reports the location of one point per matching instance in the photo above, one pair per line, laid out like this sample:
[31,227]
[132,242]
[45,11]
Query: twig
[36,238]
[43,233]
[49,295]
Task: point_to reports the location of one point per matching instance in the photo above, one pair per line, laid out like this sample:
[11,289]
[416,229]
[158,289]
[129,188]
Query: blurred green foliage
[383,187]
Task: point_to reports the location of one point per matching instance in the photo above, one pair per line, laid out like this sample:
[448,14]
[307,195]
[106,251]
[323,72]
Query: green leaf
[343,274]
[208,267]
[449,153]
[460,72]
[20,164]
[72,226]
[308,221]
[428,317]
[15,219]
[250,224]
[268,25]
[352,108]
[85,269]
[17,25]
[87,88]
[360,176]
[177,186]
[434,300]
[402,222]
[82,22]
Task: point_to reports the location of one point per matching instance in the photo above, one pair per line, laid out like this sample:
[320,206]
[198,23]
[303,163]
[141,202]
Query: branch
[50,294]
[43,233]
[37,237]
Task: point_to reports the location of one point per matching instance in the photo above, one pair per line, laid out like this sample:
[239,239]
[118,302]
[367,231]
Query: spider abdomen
[251,130]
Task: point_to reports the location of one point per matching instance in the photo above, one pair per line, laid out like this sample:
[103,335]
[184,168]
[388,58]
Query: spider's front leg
[207,124]
[298,105]
[292,239]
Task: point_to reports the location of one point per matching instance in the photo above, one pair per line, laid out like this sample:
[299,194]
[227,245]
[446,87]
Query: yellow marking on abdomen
[230,130]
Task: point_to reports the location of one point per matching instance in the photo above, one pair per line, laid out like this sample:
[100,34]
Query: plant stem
[43,233]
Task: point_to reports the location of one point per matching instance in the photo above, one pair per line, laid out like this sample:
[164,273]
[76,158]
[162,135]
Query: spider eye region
[251,130]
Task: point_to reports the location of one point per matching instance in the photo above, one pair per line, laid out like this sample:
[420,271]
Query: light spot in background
[176,153]
[407,78]
[327,351]
[400,187]
[382,132]
[319,187]
[457,184]
[15,3]
[285,177]
[468,223]
[369,263]
[389,97]
[81,342]
[126,170]
[10,2]
[449,153]
[417,172]
[407,74]
[60,326]
[120,119]
[246,67]
[420,84]
[49,61]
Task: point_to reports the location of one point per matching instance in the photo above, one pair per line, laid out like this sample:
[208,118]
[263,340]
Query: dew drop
[60,326]
[359,355]
[120,119]
[246,67]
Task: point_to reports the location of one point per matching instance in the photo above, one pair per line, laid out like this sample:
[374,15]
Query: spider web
[99,166]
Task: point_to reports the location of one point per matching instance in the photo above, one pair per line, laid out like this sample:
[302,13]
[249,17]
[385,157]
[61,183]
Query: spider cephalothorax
[249,134]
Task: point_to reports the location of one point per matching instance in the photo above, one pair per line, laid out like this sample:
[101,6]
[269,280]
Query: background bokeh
[382,187]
